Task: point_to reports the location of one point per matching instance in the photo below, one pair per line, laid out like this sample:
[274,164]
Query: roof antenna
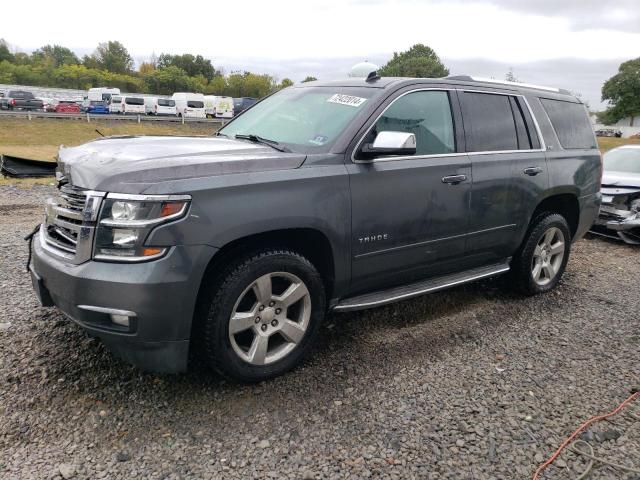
[373,76]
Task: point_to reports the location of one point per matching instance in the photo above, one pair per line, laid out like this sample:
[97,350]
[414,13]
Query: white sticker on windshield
[346,100]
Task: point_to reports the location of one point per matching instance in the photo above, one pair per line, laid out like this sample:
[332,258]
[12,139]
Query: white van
[160,106]
[102,93]
[216,106]
[189,104]
[133,105]
[115,104]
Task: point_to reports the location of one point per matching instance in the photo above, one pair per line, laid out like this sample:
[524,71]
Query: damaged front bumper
[617,223]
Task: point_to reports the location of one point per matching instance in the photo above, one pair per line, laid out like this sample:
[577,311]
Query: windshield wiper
[264,141]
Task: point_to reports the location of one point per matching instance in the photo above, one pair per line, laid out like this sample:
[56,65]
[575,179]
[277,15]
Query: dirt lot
[475,382]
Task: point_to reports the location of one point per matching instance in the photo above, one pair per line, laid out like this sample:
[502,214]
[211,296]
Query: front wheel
[539,265]
[260,317]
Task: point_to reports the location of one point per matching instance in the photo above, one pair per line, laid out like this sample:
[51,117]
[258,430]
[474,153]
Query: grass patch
[40,138]
[607,143]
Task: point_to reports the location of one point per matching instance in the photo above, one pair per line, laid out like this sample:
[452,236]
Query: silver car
[620,210]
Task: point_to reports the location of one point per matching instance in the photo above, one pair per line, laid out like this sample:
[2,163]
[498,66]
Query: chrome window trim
[543,147]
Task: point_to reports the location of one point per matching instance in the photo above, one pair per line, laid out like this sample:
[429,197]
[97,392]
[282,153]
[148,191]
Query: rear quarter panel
[575,171]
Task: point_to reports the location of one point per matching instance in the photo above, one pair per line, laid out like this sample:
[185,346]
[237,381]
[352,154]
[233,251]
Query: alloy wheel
[548,256]
[270,318]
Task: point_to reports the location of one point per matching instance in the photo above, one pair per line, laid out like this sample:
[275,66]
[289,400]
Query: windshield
[98,103]
[307,119]
[622,160]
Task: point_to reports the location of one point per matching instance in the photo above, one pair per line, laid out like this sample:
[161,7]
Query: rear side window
[134,101]
[426,114]
[489,122]
[570,122]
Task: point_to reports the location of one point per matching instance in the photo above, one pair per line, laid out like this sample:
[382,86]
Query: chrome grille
[70,222]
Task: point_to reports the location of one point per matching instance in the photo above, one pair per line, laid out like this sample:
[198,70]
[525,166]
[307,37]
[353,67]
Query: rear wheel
[259,318]
[539,265]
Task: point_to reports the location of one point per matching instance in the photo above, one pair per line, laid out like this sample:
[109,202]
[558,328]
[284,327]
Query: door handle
[454,179]
[533,171]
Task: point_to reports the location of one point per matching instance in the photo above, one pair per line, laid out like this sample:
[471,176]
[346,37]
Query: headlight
[126,221]
[635,205]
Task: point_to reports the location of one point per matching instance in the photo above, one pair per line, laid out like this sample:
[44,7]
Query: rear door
[410,214]
[509,171]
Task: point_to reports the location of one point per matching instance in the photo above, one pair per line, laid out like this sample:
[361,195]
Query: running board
[376,299]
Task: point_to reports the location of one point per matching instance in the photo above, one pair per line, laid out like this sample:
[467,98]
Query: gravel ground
[475,382]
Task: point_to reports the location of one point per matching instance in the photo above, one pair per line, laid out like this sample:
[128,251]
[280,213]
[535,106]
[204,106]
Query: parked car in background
[133,105]
[620,210]
[608,132]
[102,93]
[67,106]
[115,104]
[189,104]
[339,196]
[242,103]
[218,106]
[20,100]
[49,104]
[160,106]
[95,106]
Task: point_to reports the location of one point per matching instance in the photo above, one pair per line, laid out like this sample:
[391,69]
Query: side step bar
[376,299]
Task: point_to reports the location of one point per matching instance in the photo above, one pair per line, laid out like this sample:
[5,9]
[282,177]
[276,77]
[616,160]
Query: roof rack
[470,78]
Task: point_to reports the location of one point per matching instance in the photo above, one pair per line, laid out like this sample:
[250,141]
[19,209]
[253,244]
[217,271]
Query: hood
[621,180]
[130,164]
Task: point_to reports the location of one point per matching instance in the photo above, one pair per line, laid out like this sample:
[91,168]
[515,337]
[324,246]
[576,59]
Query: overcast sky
[575,44]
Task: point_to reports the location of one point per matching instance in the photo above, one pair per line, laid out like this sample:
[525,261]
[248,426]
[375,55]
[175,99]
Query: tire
[542,259]
[259,310]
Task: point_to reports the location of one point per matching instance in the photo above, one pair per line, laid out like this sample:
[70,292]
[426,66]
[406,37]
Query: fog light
[120,319]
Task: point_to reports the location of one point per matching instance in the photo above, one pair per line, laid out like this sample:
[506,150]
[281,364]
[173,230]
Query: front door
[410,213]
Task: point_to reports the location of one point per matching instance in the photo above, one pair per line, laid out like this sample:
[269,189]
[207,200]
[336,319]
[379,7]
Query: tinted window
[195,104]
[571,123]
[166,103]
[489,123]
[116,99]
[134,101]
[426,114]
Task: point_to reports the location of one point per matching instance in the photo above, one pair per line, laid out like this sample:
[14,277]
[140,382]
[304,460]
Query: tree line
[112,65]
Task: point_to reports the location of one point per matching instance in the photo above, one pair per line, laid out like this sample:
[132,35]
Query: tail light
[13,102]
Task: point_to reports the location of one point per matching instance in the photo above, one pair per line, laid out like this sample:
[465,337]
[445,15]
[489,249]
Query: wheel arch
[311,243]
[564,203]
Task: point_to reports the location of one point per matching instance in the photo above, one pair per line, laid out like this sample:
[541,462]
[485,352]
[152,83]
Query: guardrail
[93,117]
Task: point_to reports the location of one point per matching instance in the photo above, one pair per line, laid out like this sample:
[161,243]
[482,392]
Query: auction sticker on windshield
[346,100]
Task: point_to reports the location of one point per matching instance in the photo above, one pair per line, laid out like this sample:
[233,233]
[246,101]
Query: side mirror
[390,143]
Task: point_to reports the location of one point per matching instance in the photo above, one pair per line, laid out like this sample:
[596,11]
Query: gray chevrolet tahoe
[331,196]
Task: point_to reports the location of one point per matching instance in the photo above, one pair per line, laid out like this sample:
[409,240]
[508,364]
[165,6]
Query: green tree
[286,82]
[111,56]
[622,91]
[55,55]
[5,53]
[418,61]
[192,64]
[309,78]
